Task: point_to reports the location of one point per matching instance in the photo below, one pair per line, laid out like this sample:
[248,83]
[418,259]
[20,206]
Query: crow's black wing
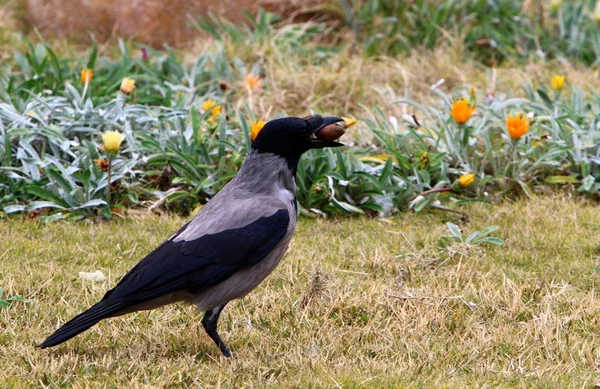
[198,264]
[192,265]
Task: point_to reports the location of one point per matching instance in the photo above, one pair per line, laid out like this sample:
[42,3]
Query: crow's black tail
[82,322]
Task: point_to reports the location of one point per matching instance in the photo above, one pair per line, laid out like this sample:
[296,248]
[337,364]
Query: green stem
[466,133]
[514,158]
[436,190]
[108,182]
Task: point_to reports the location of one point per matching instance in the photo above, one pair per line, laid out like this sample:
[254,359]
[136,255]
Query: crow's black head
[291,137]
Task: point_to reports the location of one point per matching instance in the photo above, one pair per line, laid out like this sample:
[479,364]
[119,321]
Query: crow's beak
[328,120]
[320,144]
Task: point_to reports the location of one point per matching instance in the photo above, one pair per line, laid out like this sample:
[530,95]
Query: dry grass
[347,82]
[356,303]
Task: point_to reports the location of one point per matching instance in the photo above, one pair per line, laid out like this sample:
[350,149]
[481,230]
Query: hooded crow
[230,246]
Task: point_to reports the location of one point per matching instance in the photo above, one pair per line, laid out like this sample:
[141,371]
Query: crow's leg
[210,325]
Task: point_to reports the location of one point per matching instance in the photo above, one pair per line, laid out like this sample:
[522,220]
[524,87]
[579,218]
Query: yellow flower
[466,180]
[349,122]
[461,111]
[112,141]
[517,126]
[256,127]
[424,160]
[597,12]
[557,82]
[196,210]
[211,105]
[378,158]
[555,5]
[253,81]
[86,75]
[127,85]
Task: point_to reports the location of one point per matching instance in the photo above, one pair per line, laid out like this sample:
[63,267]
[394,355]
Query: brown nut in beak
[334,131]
[330,132]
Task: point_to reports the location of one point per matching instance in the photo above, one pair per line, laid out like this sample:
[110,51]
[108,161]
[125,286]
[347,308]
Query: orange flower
[517,126]
[102,164]
[127,85]
[461,111]
[255,129]
[253,81]
[86,75]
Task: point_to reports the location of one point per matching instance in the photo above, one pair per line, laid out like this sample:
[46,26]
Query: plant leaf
[562,180]
[455,231]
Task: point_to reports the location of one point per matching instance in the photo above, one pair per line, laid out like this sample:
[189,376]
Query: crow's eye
[304,131]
